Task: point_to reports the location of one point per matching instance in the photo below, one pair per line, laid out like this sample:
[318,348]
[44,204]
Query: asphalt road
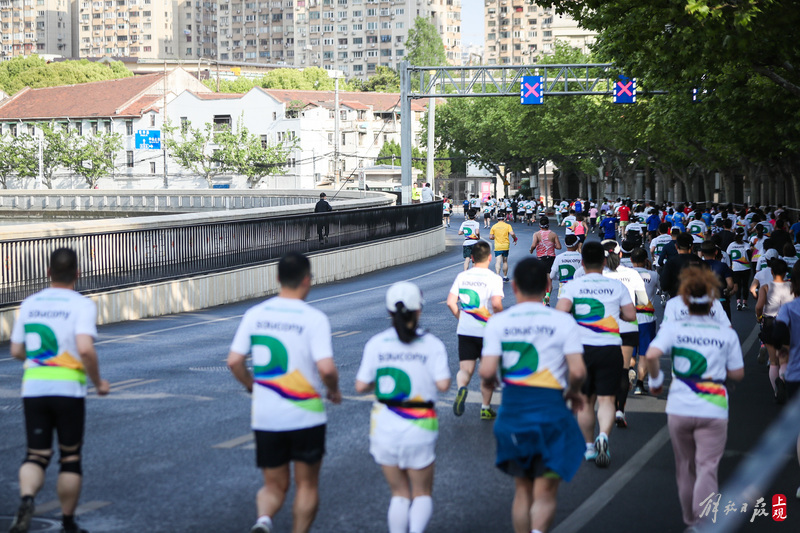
[170,450]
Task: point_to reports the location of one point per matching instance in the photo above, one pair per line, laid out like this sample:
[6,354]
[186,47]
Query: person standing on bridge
[705,355]
[538,353]
[474,296]
[426,193]
[54,334]
[322,207]
[290,343]
[406,367]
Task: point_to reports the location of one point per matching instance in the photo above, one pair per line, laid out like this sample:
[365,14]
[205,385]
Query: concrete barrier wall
[222,288]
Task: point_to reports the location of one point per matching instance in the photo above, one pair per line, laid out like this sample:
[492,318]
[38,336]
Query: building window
[128,127]
[152,119]
[79,128]
[129,158]
[93,125]
[108,127]
[264,142]
[152,167]
[222,123]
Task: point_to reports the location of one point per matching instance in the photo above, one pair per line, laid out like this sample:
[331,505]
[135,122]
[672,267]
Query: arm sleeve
[86,321]
[241,340]
[320,338]
[734,350]
[438,359]
[491,340]
[368,368]
[18,331]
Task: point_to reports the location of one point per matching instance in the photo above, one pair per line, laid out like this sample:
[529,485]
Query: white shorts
[405,456]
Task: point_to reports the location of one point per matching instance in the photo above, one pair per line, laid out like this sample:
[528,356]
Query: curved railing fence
[116,259]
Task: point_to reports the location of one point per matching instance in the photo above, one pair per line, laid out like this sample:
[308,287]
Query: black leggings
[43,414]
[742,281]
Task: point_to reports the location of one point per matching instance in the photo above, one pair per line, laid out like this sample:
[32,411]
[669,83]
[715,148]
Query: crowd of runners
[566,370]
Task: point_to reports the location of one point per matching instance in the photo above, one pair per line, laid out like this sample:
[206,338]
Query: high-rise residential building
[41,27]
[120,28]
[353,36]
[517,32]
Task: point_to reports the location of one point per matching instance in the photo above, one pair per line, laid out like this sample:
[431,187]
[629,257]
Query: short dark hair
[639,255]
[708,248]
[663,228]
[481,251]
[593,254]
[292,269]
[63,265]
[530,275]
[684,241]
[779,267]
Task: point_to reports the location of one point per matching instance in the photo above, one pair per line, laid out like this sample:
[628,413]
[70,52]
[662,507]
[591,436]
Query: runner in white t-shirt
[406,367]
[290,345]
[705,355]
[475,295]
[567,263]
[537,352]
[598,304]
[54,334]
[569,221]
[645,314]
[739,253]
[471,230]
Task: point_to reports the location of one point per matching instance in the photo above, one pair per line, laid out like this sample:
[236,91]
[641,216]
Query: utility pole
[163,127]
[40,177]
[336,132]
[431,150]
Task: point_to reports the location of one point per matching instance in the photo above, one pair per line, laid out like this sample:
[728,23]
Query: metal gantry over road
[494,81]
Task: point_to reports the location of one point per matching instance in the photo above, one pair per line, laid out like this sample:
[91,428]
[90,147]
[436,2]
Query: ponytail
[405,323]
[612,261]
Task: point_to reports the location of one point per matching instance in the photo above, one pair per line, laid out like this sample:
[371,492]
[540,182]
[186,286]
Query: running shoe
[638,390]
[461,399]
[260,527]
[631,378]
[506,280]
[488,414]
[762,355]
[739,306]
[591,453]
[603,458]
[780,388]
[22,521]
[620,420]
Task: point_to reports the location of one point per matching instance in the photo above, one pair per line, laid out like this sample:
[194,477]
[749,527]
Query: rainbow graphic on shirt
[472,306]
[525,372]
[709,391]
[292,387]
[422,417]
[594,319]
[606,326]
[47,356]
[393,384]
[646,309]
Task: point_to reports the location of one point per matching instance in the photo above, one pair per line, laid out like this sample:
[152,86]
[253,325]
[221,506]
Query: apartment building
[353,36]
[517,32]
[41,27]
[121,28]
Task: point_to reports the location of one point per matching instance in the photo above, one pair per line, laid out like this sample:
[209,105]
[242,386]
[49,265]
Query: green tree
[193,149]
[10,153]
[424,46]
[92,157]
[33,71]
[385,80]
[244,153]
[57,146]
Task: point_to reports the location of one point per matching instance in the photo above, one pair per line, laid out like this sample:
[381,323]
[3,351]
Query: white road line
[115,388]
[90,506]
[234,442]
[584,514]
[347,334]
[751,339]
[6,359]
[46,507]
[203,322]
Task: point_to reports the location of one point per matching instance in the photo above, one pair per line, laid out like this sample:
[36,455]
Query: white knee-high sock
[420,513]
[398,514]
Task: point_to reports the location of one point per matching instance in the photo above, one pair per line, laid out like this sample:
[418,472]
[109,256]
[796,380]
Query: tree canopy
[424,46]
[35,72]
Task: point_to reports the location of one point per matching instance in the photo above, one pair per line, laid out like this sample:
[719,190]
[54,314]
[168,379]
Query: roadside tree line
[743,125]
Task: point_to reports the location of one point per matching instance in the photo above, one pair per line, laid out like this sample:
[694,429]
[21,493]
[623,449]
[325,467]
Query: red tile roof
[85,100]
[378,101]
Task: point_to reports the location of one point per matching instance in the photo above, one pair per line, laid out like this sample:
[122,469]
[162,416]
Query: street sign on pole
[148,140]
[625,90]
[362,179]
[531,90]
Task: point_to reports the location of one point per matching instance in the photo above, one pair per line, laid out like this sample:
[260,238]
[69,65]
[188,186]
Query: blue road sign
[625,90]
[148,139]
[531,90]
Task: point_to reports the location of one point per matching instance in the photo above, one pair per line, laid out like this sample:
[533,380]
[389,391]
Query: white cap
[405,292]
[770,254]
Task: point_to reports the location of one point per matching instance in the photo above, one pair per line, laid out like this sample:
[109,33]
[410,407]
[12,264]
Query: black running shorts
[277,448]
[630,339]
[43,414]
[469,348]
[604,366]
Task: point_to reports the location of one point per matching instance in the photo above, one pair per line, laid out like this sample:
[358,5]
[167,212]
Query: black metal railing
[113,260]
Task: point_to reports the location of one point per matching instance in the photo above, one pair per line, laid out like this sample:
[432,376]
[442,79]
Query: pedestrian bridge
[219,247]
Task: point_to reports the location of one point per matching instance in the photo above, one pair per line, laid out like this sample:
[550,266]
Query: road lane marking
[750,340]
[228,444]
[46,507]
[90,506]
[7,359]
[585,512]
[347,334]
[204,322]
[115,388]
